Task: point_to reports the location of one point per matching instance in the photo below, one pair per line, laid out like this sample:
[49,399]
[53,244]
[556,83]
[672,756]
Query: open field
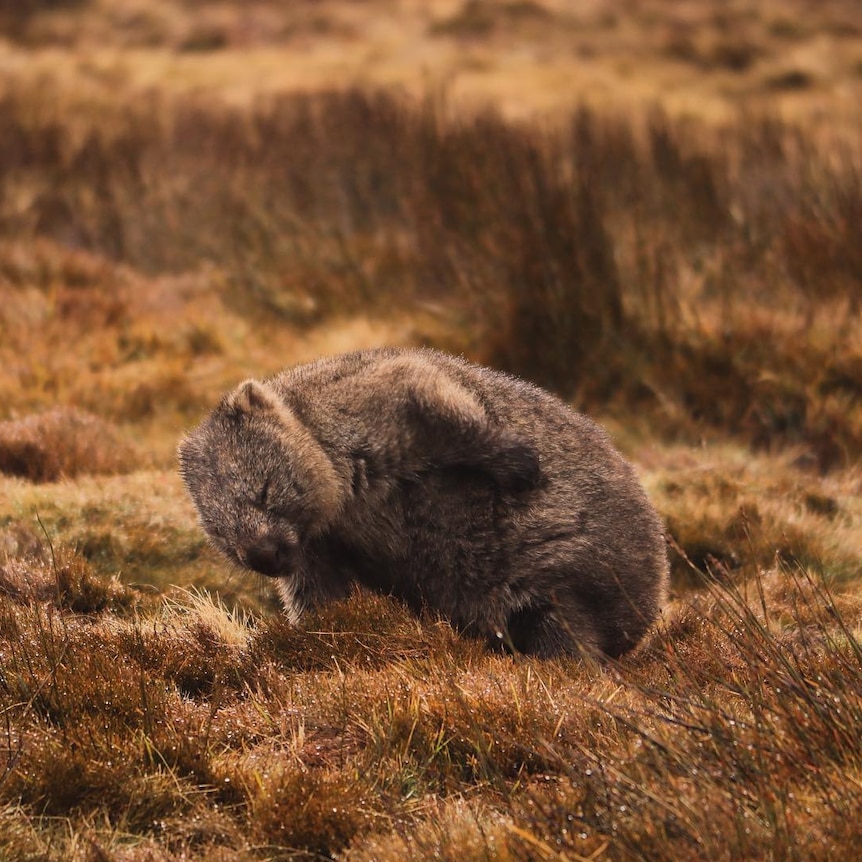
[700,56]
[653,209]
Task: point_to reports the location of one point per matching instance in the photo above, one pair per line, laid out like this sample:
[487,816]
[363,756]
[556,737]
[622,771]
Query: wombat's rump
[453,486]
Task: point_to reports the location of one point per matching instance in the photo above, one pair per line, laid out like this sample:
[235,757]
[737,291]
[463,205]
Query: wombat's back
[588,535]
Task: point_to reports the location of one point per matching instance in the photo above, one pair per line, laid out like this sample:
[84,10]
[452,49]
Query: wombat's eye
[263,496]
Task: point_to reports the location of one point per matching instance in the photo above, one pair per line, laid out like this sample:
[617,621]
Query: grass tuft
[67,580]
[63,443]
[312,815]
[339,635]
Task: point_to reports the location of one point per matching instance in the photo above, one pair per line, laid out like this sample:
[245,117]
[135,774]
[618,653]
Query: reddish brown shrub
[62,442]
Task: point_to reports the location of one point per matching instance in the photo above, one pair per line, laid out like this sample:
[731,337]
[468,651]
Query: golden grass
[181,207]
[63,443]
[194,732]
[695,57]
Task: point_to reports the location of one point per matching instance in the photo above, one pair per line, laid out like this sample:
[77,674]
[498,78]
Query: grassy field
[653,209]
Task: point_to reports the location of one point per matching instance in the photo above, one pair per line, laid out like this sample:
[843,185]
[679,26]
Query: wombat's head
[260,481]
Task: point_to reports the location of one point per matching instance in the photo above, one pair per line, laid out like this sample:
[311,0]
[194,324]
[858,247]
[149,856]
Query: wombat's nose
[269,557]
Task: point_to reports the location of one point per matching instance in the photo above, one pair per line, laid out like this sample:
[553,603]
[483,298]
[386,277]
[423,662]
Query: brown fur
[450,485]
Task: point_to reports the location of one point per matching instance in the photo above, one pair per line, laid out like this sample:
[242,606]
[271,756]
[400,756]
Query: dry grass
[695,56]
[189,731]
[172,221]
[63,443]
[618,262]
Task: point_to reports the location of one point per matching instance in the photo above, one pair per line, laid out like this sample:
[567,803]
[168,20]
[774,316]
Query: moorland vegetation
[692,282]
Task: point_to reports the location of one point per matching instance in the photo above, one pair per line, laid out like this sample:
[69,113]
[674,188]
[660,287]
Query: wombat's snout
[270,556]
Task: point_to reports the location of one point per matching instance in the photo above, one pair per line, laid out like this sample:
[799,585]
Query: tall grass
[612,260]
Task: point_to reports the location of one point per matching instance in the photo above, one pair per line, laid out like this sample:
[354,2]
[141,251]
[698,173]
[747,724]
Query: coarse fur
[453,486]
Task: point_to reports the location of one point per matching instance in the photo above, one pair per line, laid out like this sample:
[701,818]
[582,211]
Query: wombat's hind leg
[542,631]
[457,430]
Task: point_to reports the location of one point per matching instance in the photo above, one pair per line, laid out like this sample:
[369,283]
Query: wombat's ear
[252,396]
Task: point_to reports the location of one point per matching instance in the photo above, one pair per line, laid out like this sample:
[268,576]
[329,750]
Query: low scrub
[63,443]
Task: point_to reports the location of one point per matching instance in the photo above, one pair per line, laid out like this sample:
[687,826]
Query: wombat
[455,487]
